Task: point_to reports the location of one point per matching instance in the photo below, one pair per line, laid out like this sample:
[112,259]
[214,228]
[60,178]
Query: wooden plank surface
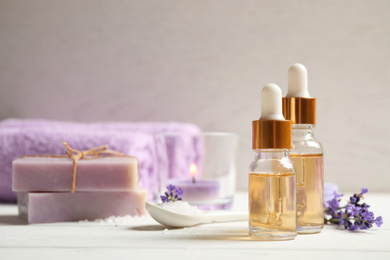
[145,239]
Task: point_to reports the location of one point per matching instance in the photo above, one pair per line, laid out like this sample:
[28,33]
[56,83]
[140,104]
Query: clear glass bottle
[272,182]
[307,157]
[307,153]
[272,196]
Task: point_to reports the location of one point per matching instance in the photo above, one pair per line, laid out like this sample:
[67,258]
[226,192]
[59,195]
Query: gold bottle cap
[271,134]
[271,131]
[300,110]
[298,106]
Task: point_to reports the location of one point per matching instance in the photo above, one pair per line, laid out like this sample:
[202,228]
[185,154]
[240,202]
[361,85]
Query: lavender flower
[334,204]
[353,216]
[378,221]
[171,188]
[336,195]
[173,194]
[179,192]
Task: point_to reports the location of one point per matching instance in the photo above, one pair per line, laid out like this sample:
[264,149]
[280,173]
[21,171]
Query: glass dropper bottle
[307,153]
[272,183]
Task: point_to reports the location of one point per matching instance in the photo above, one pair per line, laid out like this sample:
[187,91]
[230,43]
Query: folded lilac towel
[143,127]
[28,137]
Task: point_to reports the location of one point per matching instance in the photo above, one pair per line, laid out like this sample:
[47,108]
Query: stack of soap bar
[105,187]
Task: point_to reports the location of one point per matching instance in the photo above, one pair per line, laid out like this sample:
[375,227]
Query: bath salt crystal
[191,230]
[123,220]
[181,207]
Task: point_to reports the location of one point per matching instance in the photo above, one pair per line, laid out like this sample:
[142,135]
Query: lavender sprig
[173,194]
[354,215]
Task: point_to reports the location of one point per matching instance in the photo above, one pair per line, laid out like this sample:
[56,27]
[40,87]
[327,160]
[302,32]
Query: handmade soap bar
[62,207]
[56,174]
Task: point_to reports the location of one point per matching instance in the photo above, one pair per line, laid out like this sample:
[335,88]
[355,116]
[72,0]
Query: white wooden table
[149,240]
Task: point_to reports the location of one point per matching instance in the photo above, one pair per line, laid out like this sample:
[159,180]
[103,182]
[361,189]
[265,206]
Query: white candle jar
[203,165]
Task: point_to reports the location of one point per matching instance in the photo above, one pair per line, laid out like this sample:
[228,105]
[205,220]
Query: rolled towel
[143,127]
[29,137]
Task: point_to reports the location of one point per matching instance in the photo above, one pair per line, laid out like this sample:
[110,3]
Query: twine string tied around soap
[97,152]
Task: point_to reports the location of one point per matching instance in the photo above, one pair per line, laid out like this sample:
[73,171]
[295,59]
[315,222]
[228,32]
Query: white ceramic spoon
[174,219]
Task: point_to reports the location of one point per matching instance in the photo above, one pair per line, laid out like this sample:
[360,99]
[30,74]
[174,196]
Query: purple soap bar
[56,174]
[64,207]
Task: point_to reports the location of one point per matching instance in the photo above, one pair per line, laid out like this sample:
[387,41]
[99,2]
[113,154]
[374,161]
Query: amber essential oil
[272,181]
[310,209]
[272,206]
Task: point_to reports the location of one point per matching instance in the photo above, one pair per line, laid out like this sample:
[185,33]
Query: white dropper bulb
[271,103]
[297,81]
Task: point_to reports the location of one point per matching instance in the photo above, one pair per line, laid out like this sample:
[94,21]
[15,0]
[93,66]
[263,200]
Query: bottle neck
[302,131]
[272,153]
